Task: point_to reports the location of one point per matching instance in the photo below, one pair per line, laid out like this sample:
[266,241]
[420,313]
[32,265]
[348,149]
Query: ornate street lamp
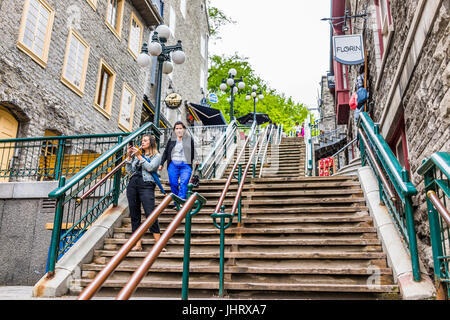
[165,55]
[256,97]
[235,85]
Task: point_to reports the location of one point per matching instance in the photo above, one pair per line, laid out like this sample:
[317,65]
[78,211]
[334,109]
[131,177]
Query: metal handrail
[438,217]
[377,166]
[231,175]
[387,168]
[309,149]
[142,270]
[244,175]
[217,150]
[440,207]
[261,145]
[394,168]
[266,143]
[97,162]
[344,147]
[101,277]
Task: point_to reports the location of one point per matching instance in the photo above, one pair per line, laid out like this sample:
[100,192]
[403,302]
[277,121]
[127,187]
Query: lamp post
[256,97]
[235,85]
[165,55]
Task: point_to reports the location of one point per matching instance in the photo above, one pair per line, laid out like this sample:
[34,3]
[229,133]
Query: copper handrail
[231,175]
[244,175]
[101,277]
[142,270]
[377,166]
[441,209]
[95,186]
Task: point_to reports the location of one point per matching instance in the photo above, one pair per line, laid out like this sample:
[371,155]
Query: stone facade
[410,80]
[327,107]
[38,98]
[189,79]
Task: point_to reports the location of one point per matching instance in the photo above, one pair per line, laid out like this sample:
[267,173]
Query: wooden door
[8,130]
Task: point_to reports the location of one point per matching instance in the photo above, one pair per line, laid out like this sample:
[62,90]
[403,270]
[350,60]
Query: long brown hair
[153,145]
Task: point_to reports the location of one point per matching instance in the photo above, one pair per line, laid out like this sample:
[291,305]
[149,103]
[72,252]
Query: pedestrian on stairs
[180,155]
[141,162]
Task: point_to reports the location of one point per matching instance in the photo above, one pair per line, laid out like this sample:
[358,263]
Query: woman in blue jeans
[180,155]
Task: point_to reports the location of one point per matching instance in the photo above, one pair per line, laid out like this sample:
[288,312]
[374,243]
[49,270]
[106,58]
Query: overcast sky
[285,41]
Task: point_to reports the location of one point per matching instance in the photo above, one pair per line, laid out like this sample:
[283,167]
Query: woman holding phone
[141,188]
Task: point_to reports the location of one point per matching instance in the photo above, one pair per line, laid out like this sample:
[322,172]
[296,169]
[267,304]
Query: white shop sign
[348,49]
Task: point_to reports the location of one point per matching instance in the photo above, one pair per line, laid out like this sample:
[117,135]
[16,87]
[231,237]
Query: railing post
[409,213]
[239,182]
[116,181]
[222,215]
[59,159]
[187,247]
[56,233]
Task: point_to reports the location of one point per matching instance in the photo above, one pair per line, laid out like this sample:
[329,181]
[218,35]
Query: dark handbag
[195,179]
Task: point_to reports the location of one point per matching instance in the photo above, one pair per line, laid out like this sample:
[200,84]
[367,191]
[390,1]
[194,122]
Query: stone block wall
[414,79]
[36,95]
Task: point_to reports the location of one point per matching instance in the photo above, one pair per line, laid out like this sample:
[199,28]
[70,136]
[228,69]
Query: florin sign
[173,101]
[348,49]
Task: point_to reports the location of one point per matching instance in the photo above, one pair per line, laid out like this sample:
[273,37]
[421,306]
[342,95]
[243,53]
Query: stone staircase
[300,237]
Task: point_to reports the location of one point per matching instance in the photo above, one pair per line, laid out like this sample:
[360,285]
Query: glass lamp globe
[230,82]
[247,97]
[144,60]
[235,90]
[154,48]
[232,72]
[163,31]
[254,87]
[178,57]
[223,86]
[241,85]
[254,94]
[261,96]
[256,100]
[167,67]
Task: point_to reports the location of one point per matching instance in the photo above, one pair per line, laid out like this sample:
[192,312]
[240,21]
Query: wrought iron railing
[50,158]
[345,155]
[74,213]
[265,144]
[436,172]
[396,190]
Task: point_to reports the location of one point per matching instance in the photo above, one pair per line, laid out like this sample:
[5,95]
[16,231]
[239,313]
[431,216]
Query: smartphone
[130,144]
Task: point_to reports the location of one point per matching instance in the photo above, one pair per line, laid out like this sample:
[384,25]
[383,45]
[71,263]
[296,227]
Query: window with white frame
[35,30]
[135,38]
[75,62]
[127,108]
[183,8]
[172,21]
[114,13]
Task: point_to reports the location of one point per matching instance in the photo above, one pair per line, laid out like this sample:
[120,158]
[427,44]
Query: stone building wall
[36,95]
[413,79]
[327,107]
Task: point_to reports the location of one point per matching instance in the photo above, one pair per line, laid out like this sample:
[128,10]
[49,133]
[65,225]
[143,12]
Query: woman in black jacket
[180,155]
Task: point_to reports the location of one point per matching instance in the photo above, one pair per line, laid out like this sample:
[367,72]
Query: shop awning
[208,116]
[163,122]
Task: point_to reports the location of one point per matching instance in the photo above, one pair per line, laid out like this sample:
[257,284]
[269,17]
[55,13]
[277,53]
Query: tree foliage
[280,109]
[217,19]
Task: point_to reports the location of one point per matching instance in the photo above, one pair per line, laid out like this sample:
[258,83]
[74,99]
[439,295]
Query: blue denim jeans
[179,175]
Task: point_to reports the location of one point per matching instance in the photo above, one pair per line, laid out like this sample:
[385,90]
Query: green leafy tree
[280,109]
[217,19]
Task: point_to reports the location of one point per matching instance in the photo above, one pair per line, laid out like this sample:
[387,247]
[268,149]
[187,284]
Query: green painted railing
[309,146]
[436,173]
[50,158]
[73,216]
[395,188]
